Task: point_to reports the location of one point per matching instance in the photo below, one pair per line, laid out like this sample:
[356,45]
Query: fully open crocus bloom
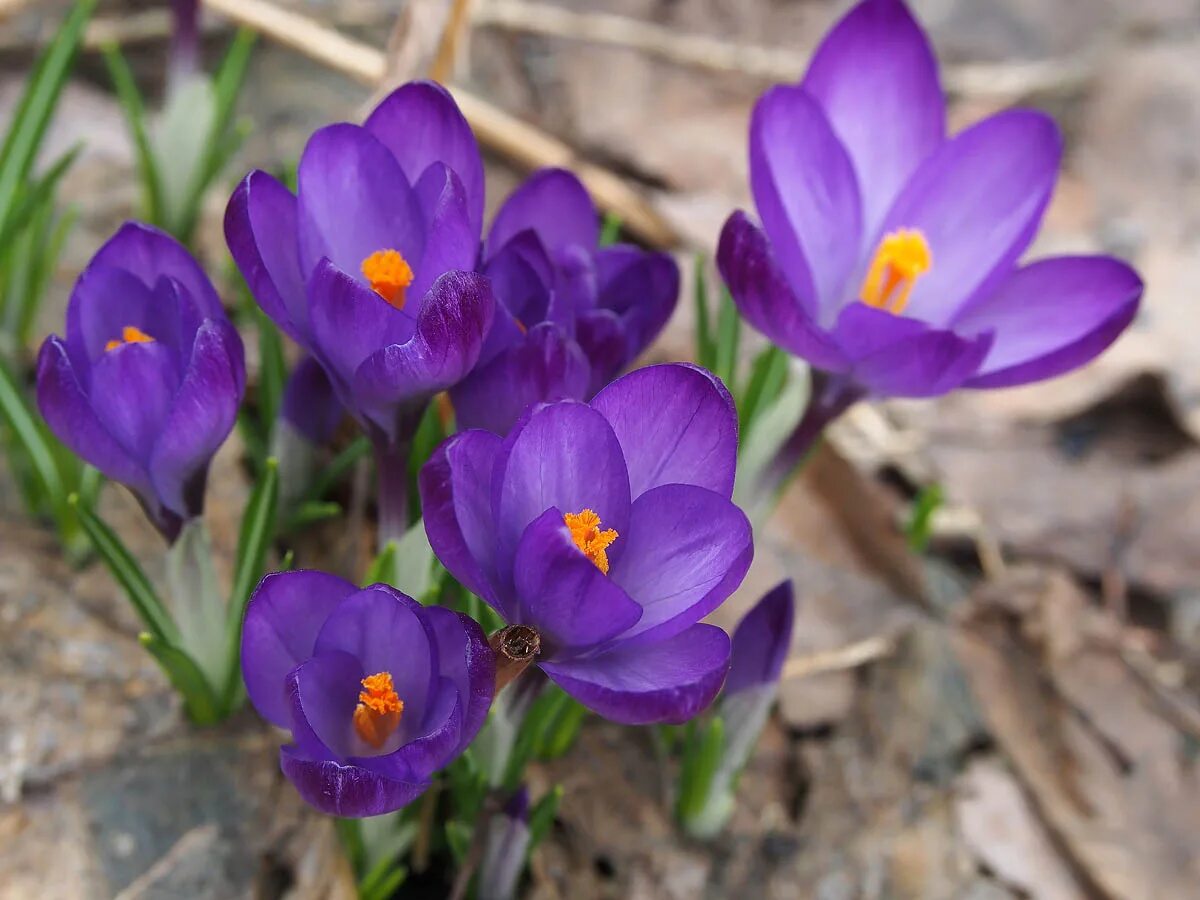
[370,266]
[377,691]
[606,526]
[147,383]
[888,253]
[570,314]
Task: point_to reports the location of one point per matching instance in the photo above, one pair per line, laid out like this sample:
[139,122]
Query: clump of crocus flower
[147,383]
[888,255]
[570,314]
[369,266]
[377,691]
[607,528]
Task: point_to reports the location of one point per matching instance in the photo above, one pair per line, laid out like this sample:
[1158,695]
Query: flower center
[585,532]
[903,257]
[130,334]
[389,274]
[379,708]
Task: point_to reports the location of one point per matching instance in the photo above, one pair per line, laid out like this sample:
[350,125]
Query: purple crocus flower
[369,267]
[570,314]
[147,383]
[607,527]
[310,405]
[761,642]
[888,252]
[377,691]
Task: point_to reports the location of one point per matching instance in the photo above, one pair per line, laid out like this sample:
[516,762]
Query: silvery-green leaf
[179,142]
[767,433]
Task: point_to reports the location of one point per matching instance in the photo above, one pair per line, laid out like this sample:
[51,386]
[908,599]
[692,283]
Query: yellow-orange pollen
[130,334]
[379,708]
[389,274]
[903,257]
[585,532]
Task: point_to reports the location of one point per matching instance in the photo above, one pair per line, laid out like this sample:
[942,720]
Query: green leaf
[359,448]
[135,116]
[767,377]
[458,836]
[32,439]
[349,832]
[701,759]
[610,229]
[729,335]
[272,375]
[562,730]
[231,75]
[382,566]
[51,247]
[36,106]
[185,675]
[383,881]
[541,817]
[311,512]
[920,521]
[706,348]
[129,575]
[37,196]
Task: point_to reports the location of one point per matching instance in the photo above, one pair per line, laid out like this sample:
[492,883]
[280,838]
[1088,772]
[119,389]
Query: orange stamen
[903,257]
[379,709]
[130,334]
[586,533]
[389,274]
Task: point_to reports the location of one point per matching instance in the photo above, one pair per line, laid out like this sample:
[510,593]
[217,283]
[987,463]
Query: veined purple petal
[105,301]
[132,389]
[642,288]
[676,424]
[671,681]
[876,78]
[323,693]
[807,196]
[346,791]
[554,204]
[68,412]
[420,124]
[978,201]
[310,403]
[563,456]
[456,499]
[522,279]
[545,366]
[262,231]
[283,617]
[563,594]
[686,550]
[354,200]
[468,661]
[450,242]
[1051,317]
[762,640]
[201,415]
[764,297]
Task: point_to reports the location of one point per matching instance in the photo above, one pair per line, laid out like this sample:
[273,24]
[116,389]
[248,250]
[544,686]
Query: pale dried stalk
[850,656]
[525,145]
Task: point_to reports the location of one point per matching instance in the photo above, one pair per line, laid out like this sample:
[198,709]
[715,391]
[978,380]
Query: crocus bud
[147,383]
[505,848]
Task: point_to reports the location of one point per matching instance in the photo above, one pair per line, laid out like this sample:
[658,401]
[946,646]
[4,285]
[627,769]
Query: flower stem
[391,467]
[831,397]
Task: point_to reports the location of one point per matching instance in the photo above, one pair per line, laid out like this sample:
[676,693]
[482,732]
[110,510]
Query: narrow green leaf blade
[135,116]
[706,354]
[767,376]
[610,229]
[729,335]
[541,817]
[32,439]
[703,756]
[185,675]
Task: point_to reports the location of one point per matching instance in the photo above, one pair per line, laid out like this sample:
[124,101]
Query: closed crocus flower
[607,527]
[369,267]
[377,691]
[147,383]
[888,253]
[570,314]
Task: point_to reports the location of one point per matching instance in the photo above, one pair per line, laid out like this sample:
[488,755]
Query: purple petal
[676,424]
[467,660]
[807,196]
[1051,317]
[262,231]
[978,201]
[350,321]
[545,366]
[132,389]
[354,201]
[105,301]
[310,403]
[69,413]
[562,456]
[455,315]
[421,124]
[900,357]
[323,693]
[876,78]
[766,300]
[201,416]
[671,681]
[456,486]
[522,277]
[686,550]
[642,288]
[347,791]
[383,630]
[762,640]
[151,254]
[602,338]
[450,242]
[284,615]
[563,594]
[554,204]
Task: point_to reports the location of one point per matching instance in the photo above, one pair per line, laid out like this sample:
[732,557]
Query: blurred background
[1008,710]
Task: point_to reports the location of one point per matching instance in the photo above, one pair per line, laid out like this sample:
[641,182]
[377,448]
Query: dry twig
[850,656]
